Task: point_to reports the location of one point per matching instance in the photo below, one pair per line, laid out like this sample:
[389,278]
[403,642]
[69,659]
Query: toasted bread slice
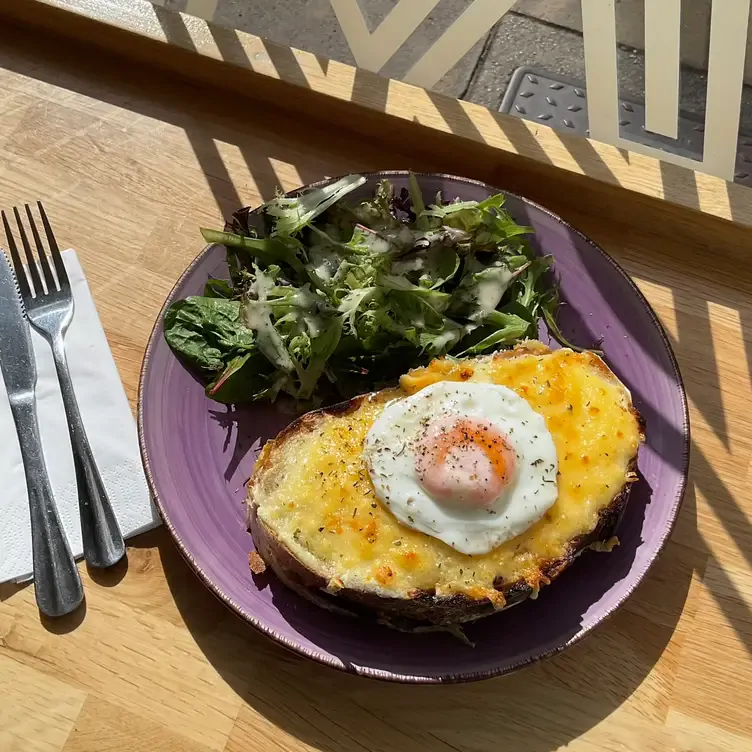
[317,523]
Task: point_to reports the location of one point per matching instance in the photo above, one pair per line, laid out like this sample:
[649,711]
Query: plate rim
[382,674]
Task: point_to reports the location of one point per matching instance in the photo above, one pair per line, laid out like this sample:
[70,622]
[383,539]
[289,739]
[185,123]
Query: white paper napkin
[110,427]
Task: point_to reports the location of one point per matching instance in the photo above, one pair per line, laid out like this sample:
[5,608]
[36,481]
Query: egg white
[390,454]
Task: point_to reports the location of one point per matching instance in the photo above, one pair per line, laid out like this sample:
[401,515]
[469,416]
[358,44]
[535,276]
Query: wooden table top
[130,163]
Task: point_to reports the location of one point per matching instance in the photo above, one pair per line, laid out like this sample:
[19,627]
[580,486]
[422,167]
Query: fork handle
[57,582]
[103,542]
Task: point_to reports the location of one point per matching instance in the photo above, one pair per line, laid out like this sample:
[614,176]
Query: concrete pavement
[541,33]
[312,26]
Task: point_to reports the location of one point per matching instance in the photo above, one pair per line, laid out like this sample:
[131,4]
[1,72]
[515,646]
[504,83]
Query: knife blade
[16,353]
[57,582]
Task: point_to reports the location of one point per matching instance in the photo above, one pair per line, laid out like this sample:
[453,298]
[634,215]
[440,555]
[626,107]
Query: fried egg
[471,464]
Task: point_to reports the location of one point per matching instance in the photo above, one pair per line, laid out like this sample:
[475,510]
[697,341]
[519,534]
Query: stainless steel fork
[49,306]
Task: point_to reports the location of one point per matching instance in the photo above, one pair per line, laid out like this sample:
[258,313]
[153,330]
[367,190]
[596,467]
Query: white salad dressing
[490,288]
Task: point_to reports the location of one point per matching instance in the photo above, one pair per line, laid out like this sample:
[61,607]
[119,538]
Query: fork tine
[30,260]
[57,259]
[23,282]
[49,279]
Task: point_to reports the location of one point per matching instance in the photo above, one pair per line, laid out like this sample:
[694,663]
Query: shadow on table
[208,122]
[59,625]
[9,589]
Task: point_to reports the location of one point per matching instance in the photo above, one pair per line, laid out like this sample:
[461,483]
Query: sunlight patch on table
[716,670]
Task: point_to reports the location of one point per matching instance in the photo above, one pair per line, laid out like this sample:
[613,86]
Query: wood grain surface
[233,62]
[129,162]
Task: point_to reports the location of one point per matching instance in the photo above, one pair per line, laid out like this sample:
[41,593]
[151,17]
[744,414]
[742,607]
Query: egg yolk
[464,461]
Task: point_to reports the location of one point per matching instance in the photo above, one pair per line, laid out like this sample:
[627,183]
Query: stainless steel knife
[57,581]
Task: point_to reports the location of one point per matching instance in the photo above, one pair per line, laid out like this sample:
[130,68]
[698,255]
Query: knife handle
[57,582]
[103,542]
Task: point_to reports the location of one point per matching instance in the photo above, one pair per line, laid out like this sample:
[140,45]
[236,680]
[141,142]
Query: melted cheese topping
[320,495]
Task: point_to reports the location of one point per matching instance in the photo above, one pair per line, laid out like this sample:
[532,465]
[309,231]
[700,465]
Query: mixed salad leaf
[342,296]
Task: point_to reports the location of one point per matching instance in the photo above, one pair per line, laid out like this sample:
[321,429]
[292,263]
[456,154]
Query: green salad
[333,297]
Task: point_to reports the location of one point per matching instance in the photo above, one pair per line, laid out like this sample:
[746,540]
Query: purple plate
[199,454]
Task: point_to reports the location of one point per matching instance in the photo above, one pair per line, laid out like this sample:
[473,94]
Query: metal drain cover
[561,103]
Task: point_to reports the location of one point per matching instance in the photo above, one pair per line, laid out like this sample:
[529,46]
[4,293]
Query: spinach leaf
[207,331]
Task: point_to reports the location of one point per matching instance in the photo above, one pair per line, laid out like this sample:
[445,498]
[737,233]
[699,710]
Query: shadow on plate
[584,585]
[536,710]
[247,429]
